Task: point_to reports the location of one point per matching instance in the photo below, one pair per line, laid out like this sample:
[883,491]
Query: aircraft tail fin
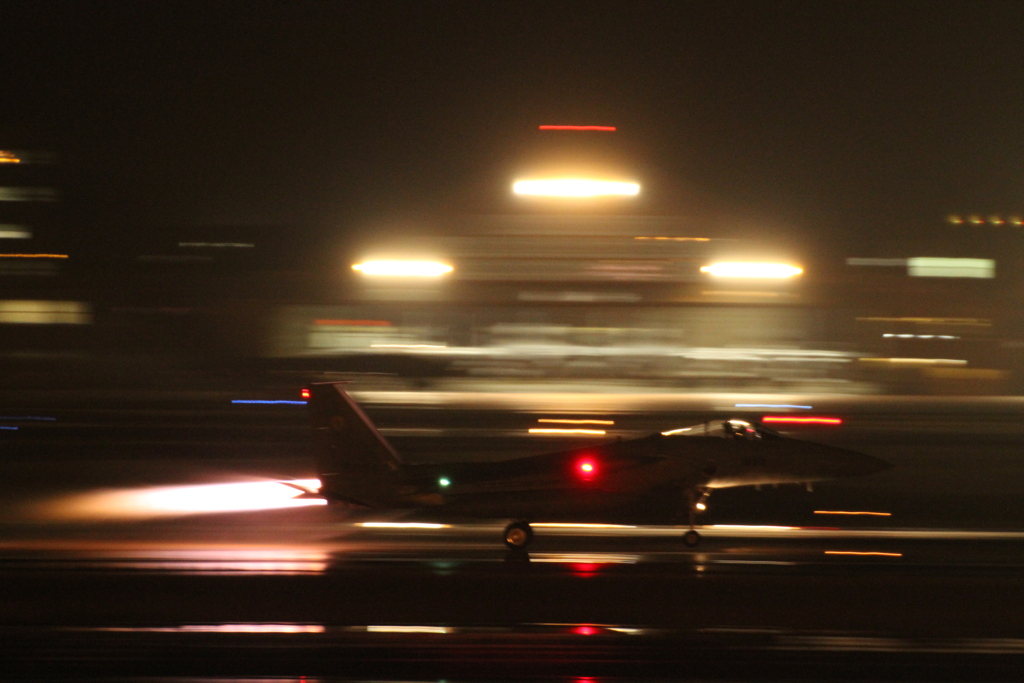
[355,462]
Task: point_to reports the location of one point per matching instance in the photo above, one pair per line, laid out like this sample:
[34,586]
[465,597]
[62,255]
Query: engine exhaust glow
[171,501]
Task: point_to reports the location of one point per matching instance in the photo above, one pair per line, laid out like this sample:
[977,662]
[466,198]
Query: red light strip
[606,129]
[803,420]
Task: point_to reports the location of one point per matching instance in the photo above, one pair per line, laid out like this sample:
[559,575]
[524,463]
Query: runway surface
[156,539]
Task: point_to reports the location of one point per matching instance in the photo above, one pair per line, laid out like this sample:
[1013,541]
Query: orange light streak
[576,422]
[863,553]
[33,255]
[604,129]
[802,420]
[852,512]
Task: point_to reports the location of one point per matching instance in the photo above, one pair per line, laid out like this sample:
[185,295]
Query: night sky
[849,121]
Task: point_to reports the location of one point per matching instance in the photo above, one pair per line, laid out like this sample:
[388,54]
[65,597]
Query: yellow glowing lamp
[403,268]
[575,188]
[741,269]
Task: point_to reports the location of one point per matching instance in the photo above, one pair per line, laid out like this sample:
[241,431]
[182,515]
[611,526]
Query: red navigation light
[305,394]
[605,129]
[586,468]
[584,630]
[785,419]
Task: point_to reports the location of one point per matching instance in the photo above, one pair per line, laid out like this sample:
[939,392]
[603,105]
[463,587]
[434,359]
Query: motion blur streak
[580,525]
[170,501]
[269,403]
[408,629]
[402,525]
[802,420]
[218,628]
[852,512]
[862,552]
[740,269]
[771,405]
[607,129]
[33,256]
[574,187]
[575,422]
[403,268]
[583,432]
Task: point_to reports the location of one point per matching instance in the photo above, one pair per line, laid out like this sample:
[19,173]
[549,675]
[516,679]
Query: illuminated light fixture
[304,394]
[955,220]
[575,187]
[575,422]
[995,220]
[1016,220]
[585,631]
[701,506]
[852,512]
[976,220]
[33,256]
[250,628]
[444,482]
[676,431]
[552,430]
[269,403]
[403,268]
[771,405]
[919,336]
[352,323]
[740,269]
[603,129]
[862,553]
[7,157]
[408,629]
[779,419]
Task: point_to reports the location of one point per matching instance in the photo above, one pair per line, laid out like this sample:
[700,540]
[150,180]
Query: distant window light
[10,231]
[926,266]
[27,312]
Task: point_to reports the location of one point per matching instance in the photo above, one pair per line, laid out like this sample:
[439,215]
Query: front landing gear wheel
[691,539]
[518,535]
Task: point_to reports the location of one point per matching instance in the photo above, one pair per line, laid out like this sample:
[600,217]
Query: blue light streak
[271,403]
[13,429]
[771,405]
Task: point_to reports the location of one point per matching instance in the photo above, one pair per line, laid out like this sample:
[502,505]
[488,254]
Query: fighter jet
[664,477]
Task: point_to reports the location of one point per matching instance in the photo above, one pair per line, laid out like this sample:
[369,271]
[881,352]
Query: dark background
[842,121]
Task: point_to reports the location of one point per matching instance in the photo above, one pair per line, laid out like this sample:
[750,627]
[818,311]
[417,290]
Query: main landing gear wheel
[691,539]
[518,535]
